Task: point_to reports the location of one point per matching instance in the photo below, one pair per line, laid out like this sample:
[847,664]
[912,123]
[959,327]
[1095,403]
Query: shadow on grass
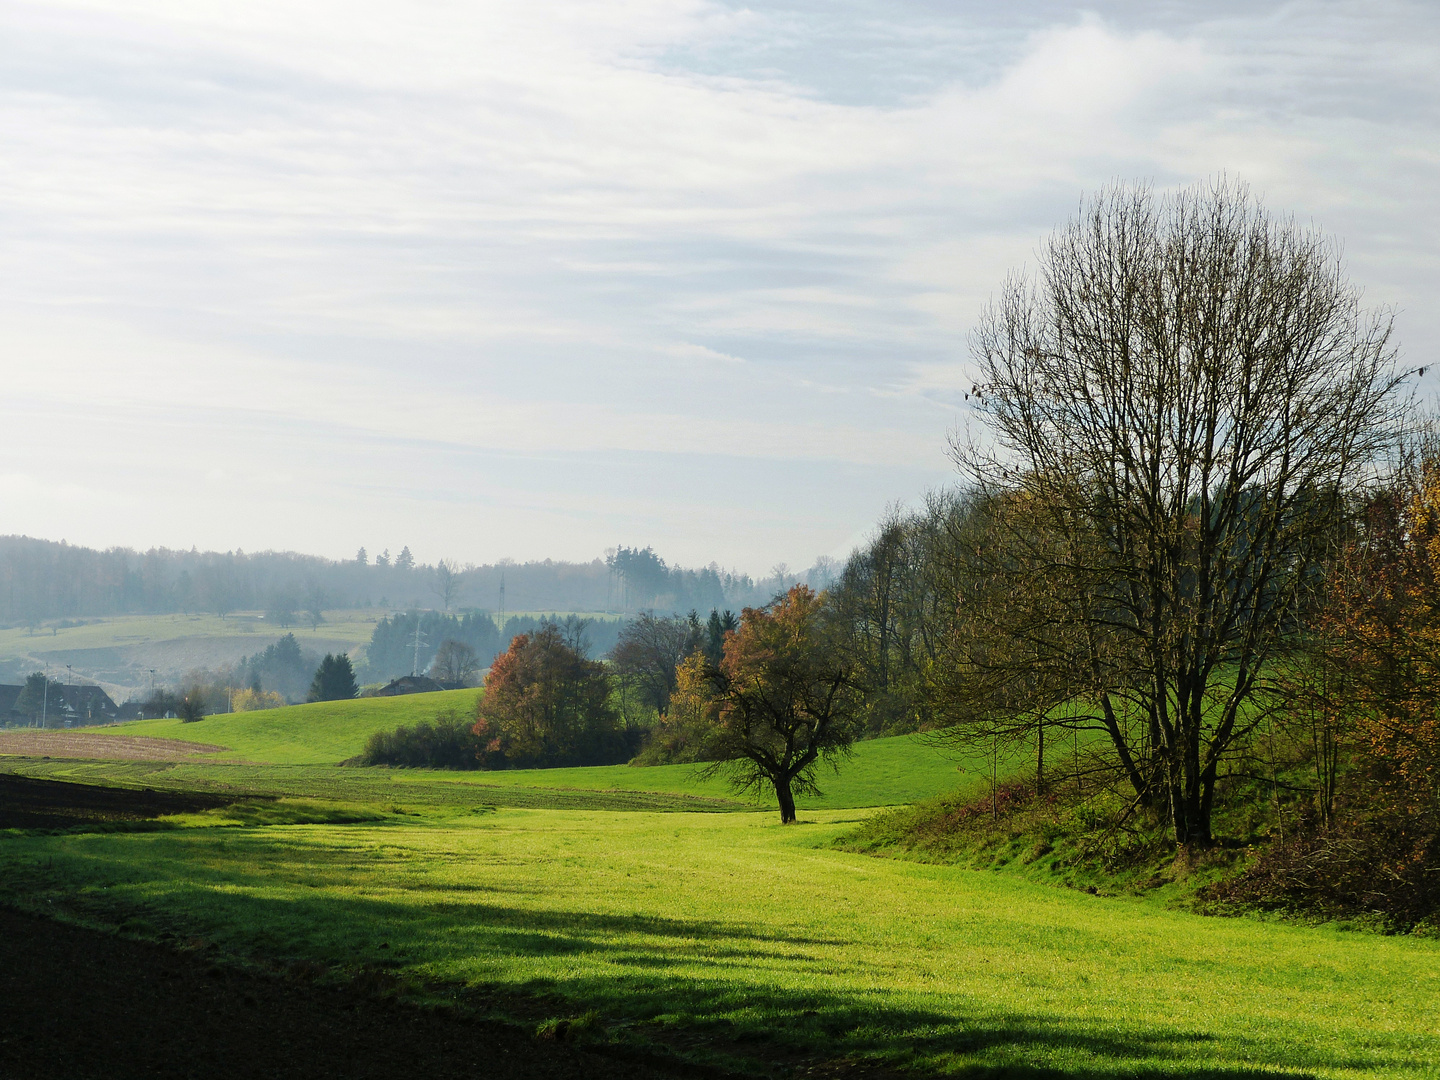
[712,987]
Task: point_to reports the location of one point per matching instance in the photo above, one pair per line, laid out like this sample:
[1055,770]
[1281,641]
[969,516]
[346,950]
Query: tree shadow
[694,985]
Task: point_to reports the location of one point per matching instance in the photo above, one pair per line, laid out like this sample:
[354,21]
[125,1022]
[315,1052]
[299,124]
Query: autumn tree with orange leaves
[546,703]
[781,702]
[1363,719]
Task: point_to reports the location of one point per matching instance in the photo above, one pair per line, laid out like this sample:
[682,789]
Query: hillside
[319,733]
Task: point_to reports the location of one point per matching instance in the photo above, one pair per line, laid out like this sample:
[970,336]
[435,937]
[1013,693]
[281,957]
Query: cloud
[693,232]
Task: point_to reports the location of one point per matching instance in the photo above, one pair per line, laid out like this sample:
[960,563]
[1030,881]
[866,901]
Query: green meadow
[120,631]
[604,893]
[320,733]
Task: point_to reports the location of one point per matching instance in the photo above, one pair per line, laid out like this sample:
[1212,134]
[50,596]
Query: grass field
[882,772]
[322,732]
[764,941]
[352,626]
[549,894]
[129,630]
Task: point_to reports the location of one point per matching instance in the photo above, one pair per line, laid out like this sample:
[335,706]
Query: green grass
[555,894]
[400,791]
[322,732]
[762,942]
[353,627]
[882,772]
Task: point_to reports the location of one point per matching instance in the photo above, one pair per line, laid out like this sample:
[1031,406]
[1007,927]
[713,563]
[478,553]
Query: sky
[515,280]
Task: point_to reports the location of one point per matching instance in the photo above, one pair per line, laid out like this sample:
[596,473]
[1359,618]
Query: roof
[78,702]
[87,702]
[409,684]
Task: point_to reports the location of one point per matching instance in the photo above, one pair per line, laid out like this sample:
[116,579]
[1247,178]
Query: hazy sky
[534,279]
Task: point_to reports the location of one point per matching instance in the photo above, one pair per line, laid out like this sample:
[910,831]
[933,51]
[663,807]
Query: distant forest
[43,579]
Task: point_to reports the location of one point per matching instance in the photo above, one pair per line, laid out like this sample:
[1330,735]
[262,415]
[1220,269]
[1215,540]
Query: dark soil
[30,803]
[80,1004]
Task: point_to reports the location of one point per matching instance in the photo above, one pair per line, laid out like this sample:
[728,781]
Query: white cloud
[681,230]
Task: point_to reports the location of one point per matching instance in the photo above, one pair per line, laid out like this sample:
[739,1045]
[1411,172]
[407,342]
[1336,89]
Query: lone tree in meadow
[334,680]
[1182,406]
[780,702]
[449,580]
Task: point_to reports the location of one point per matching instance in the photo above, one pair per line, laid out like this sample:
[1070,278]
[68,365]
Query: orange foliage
[1385,634]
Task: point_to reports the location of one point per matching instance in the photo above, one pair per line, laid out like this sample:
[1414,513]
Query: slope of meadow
[735,936]
[322,732]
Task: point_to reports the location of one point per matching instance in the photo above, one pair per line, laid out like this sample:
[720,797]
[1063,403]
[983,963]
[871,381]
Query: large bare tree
[1180,406]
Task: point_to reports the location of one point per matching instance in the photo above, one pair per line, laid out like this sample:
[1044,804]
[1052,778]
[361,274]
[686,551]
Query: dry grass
[91,745]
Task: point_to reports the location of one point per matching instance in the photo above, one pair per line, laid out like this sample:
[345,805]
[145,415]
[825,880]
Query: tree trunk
[1040,758]
[787,800]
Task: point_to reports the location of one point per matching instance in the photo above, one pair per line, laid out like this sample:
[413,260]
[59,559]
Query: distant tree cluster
[284,668]
[546,703]
[334,680]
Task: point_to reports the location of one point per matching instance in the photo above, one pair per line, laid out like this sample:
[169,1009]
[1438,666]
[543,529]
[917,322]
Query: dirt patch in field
[79,744]
[81,1004]
[30,803]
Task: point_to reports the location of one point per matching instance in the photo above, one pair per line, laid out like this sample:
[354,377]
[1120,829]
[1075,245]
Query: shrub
[1376,864]
[249,700]
[448,743]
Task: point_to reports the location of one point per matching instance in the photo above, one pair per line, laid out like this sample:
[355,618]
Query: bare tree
[1180,406]
[315,602]
[649,652]
[455,661]
[449,580]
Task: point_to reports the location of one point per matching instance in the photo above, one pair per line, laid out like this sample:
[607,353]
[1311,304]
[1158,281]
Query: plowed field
[80,744]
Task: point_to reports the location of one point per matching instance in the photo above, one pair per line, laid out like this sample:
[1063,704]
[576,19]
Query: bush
[249,700]
[1378,865]
[448,743]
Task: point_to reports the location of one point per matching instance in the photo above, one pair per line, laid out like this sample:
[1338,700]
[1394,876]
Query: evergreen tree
[334,679]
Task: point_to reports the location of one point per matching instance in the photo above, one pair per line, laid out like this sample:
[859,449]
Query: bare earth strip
[79,744]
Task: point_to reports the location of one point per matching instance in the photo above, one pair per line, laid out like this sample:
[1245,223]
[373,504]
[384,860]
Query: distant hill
[44,580]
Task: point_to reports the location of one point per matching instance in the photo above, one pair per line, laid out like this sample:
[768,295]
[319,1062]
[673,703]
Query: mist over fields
[226,606]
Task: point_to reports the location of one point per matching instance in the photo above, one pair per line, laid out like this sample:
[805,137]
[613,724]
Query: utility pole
[502,601]
[415,663]
[45,700]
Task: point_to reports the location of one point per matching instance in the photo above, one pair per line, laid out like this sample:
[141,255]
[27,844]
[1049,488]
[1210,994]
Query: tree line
[46,580]
[1191,559]
[764,699]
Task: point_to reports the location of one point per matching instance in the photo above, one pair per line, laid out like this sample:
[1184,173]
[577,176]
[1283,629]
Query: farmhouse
[68,705]
[414,684]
